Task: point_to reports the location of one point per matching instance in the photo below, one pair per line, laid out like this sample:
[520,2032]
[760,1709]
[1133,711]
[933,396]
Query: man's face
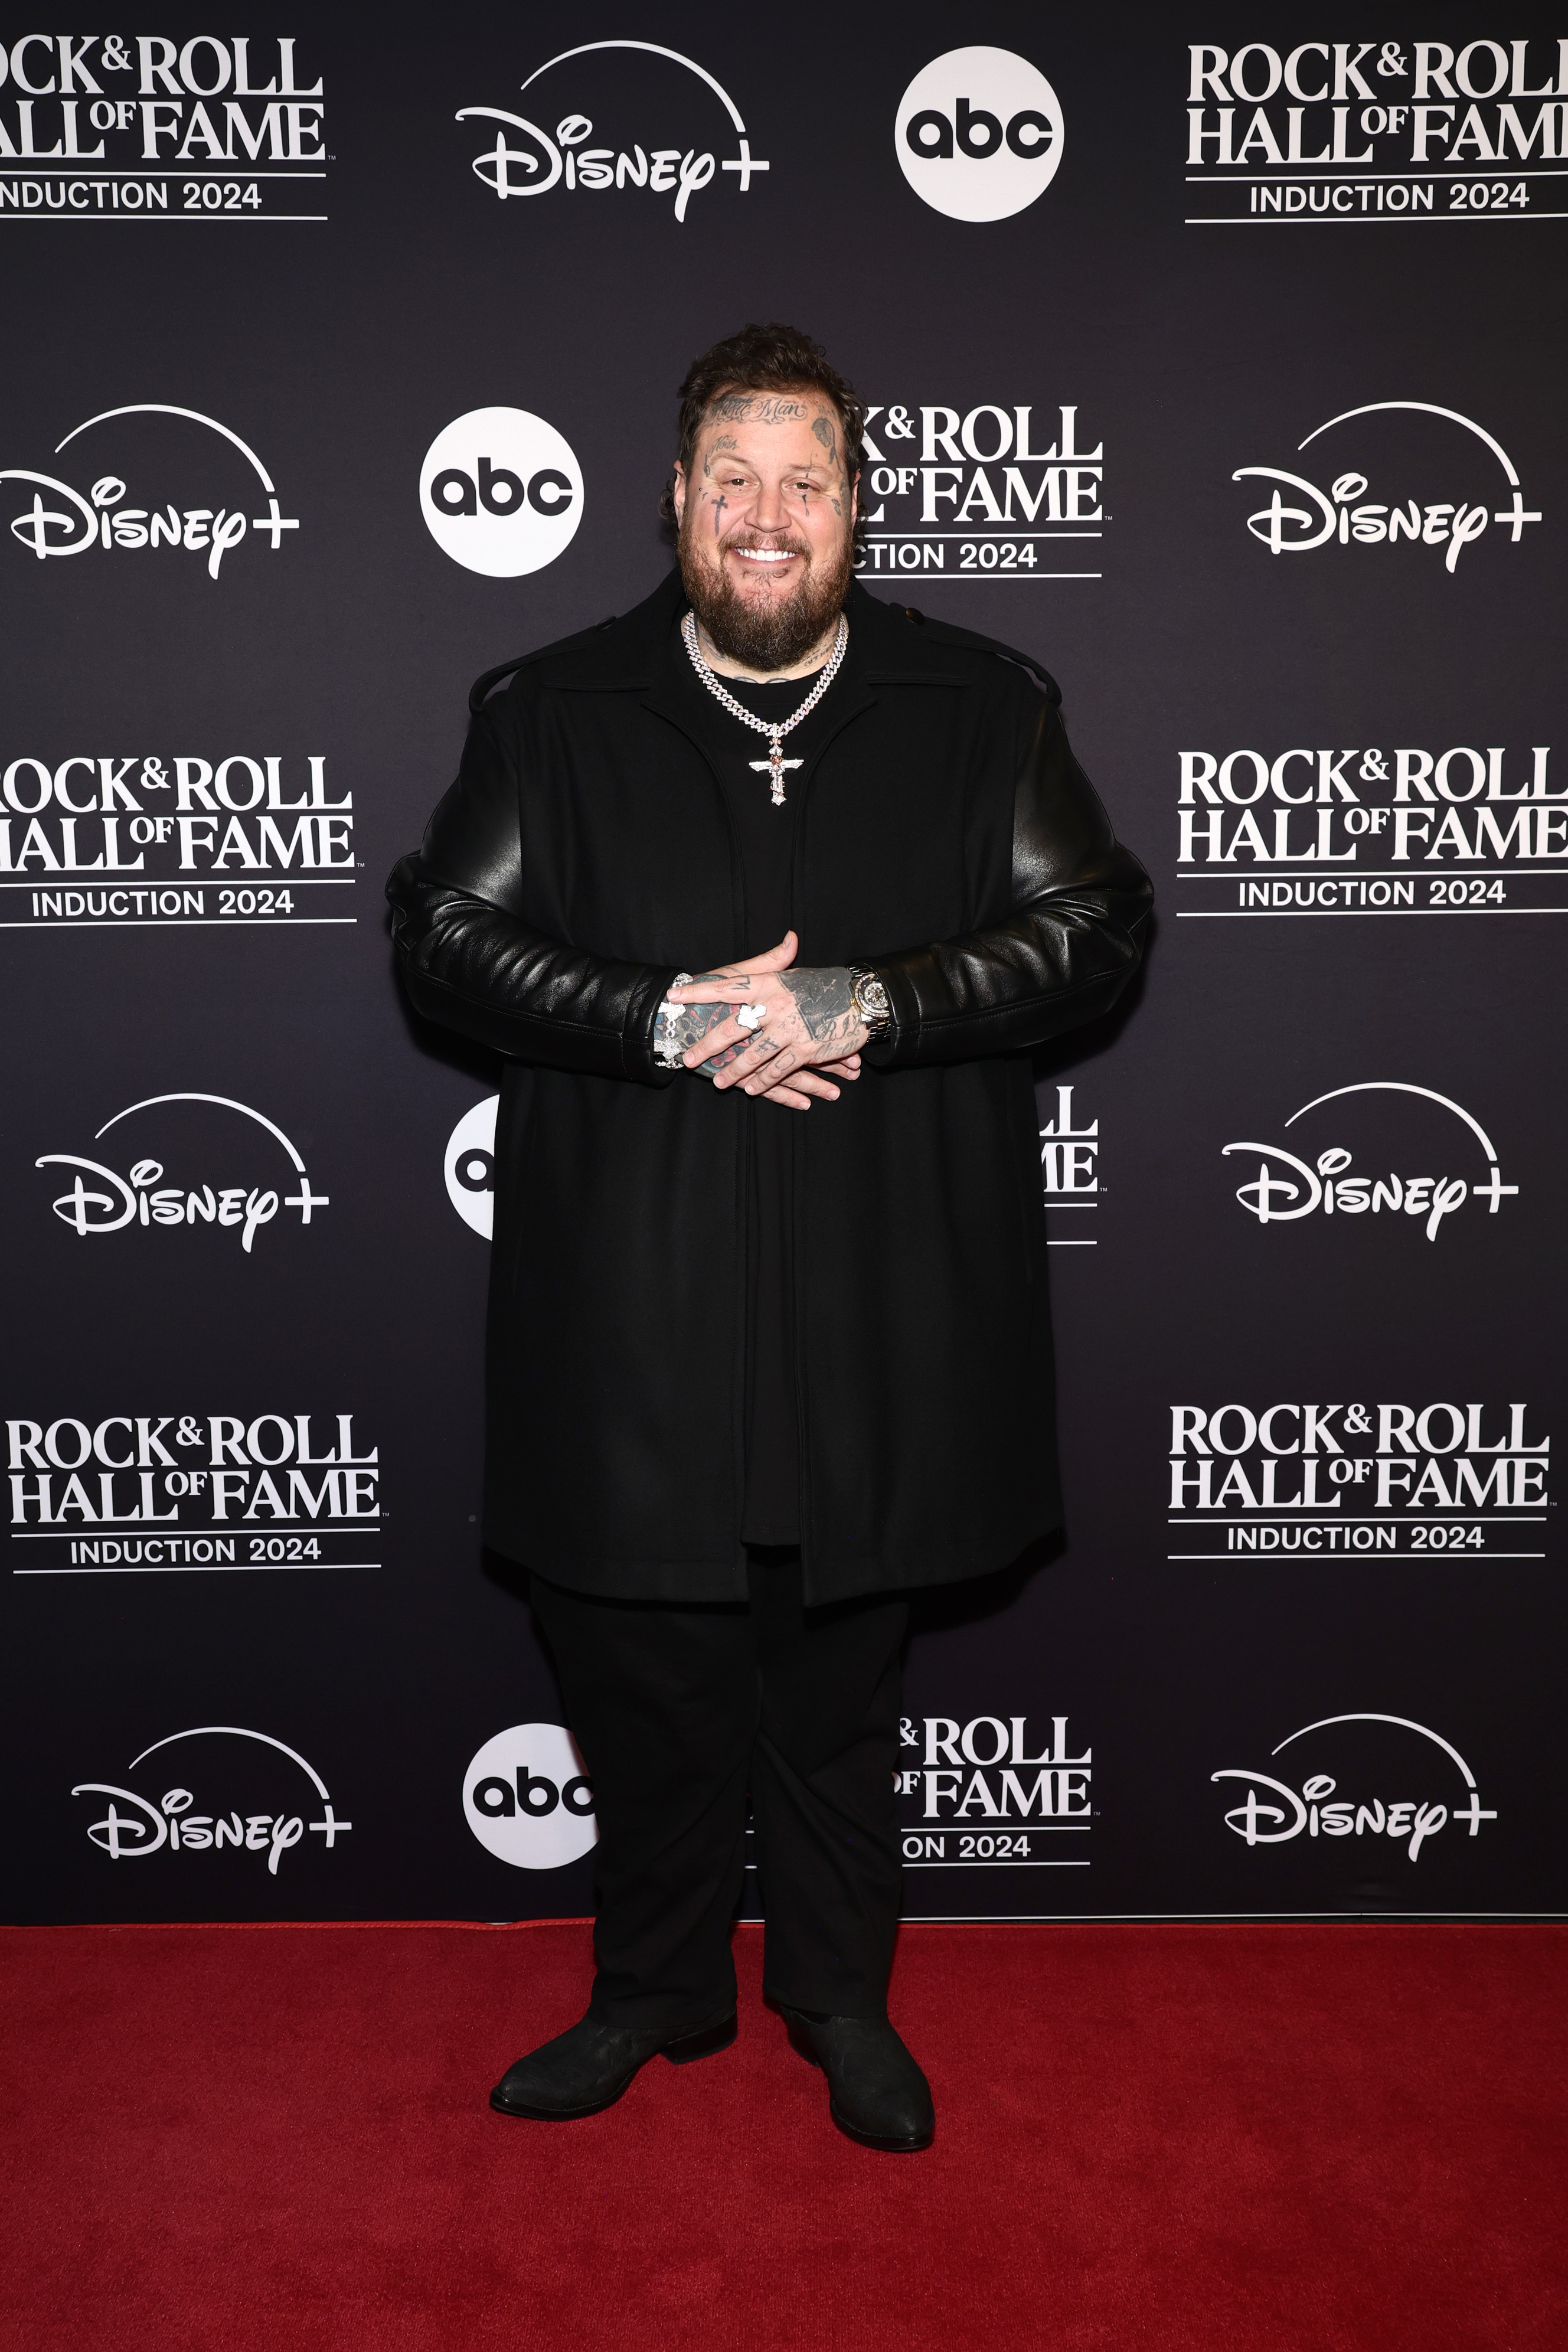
[766,514]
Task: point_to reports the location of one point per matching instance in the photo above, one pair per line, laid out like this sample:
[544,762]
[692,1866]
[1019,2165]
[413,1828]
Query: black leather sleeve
[469,960]
[1068,947]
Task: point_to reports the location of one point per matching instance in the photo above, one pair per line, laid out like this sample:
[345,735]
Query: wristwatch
[871,999]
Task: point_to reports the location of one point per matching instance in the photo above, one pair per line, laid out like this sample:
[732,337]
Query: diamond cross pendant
[775,763]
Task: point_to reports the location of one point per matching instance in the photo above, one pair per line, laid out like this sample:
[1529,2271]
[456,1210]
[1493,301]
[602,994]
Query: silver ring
[751,1016]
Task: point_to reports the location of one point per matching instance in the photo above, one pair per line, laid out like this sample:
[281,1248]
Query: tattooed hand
[712,1042]
[809,1024]
[681,1030]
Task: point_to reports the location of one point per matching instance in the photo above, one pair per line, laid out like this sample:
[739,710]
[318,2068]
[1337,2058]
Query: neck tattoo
[775,763]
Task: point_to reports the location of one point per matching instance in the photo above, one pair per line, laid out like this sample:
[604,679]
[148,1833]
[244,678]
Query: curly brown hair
[764,358]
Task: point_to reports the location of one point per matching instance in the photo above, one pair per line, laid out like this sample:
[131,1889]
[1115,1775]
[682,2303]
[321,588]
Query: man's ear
[679,492]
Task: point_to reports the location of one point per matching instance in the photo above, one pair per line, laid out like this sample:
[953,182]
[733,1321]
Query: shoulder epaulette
[492,678]
[949,632]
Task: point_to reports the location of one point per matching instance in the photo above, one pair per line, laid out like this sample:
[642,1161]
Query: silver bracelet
[667,1053]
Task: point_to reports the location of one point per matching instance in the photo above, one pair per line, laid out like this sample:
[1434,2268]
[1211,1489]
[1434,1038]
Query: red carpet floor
[1177,2140]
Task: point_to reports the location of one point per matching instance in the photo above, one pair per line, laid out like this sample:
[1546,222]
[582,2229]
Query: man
[753,1376]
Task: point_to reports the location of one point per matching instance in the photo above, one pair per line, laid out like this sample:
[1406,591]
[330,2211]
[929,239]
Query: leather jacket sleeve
[469,960]
[1068,947]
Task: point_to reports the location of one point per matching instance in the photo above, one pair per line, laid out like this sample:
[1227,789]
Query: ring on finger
[751,1016]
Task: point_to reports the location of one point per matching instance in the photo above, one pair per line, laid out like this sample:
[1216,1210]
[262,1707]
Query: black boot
[591,2065]
[877,2093]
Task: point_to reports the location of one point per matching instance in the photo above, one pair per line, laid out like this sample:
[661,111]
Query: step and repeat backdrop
[1214,358]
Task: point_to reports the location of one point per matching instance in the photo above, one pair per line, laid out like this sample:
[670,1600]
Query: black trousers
[679,1712]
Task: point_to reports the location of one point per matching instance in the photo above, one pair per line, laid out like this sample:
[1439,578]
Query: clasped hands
[808,1038]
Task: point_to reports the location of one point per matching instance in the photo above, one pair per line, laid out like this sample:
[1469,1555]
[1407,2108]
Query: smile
[765,554]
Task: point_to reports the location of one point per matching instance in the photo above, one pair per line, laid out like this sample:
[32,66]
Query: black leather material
[1065,950]
[945,836]
[471,960]
[877,2093]
[592,2064]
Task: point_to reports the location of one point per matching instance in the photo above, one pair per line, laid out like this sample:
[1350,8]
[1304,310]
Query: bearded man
[754,1377]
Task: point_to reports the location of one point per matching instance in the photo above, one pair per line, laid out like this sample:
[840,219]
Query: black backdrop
[1305,1661]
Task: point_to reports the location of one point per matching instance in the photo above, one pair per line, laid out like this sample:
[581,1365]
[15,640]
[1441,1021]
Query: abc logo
[979,134]
[500,492]
[471,1167]
[528,1800]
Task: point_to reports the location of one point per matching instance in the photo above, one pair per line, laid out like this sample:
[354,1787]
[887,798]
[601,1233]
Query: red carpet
[1177,2140]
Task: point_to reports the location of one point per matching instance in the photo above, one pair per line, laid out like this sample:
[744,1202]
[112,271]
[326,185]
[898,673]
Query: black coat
[581,858]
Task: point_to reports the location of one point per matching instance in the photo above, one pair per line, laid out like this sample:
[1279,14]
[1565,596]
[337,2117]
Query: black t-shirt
[766,837]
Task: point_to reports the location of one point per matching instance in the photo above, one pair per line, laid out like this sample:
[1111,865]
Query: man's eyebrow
[716,458]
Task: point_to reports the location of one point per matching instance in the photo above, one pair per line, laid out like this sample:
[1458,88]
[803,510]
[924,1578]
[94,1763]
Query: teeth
[767,555]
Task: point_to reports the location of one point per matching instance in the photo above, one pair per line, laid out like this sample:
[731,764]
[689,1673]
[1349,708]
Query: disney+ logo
[1288,1186]
[97,518]
[566,161]
[116,1203]
[1281,1814]
[171,1824]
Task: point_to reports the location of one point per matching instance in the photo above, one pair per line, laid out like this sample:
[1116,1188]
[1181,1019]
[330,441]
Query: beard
[773,633]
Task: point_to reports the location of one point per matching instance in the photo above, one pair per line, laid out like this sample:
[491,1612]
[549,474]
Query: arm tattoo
[826,1002]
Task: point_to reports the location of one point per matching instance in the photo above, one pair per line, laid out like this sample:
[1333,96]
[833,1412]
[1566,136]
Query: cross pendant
[775,763]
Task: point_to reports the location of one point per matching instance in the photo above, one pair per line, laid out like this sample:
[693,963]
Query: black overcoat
[584,856]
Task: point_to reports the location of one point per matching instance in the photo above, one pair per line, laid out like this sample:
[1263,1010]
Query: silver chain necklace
[775,763]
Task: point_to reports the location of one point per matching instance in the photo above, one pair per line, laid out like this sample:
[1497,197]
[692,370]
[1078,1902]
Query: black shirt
[765,835]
